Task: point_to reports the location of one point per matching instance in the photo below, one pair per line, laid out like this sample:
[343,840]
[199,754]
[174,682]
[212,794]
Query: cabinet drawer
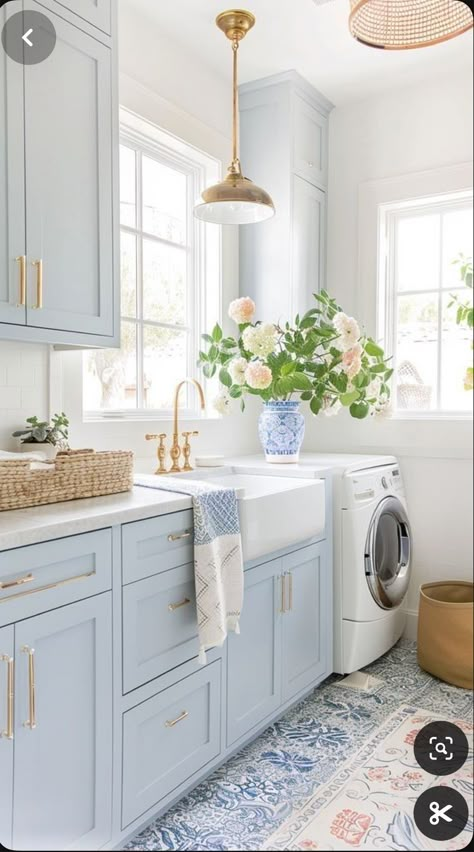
[43,576]
[159,625]
[309,143]
[156,545]
[168,738]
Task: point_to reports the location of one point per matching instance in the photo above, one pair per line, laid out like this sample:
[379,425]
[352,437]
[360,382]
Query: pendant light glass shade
[236,200]
[405,24]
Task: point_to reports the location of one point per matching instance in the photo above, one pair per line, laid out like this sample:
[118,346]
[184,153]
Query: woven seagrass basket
[74,474]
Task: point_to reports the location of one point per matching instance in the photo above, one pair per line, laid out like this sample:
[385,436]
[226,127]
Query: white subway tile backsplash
[24,386]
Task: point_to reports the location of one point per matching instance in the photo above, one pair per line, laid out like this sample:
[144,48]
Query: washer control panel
[366,486]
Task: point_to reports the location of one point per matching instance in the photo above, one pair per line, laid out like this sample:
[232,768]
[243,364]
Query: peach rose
[242,310]
[258,376]
[351,361]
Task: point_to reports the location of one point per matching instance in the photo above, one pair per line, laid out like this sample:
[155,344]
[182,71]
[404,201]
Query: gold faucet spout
[175,451]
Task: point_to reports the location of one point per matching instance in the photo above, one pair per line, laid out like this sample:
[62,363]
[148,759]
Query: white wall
[411,130]
[24,386]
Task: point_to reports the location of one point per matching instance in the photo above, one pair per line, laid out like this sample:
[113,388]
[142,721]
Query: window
[425,253]
[170,278]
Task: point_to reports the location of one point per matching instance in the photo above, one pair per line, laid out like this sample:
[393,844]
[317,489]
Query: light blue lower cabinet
[159,625]
[6,735]
[168,738]
[63,740]
[254,656]
[305,622]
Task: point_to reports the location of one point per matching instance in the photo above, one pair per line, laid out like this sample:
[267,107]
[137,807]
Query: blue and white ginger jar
[281,431]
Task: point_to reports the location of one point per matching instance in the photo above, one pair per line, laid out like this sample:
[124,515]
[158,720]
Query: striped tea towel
[218,563]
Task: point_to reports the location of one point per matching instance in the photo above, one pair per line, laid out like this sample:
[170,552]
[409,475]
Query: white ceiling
[313,39]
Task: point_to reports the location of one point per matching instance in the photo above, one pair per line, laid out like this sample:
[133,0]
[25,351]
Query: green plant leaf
[306,396]
[301,382]
[350,398]
[207,338]
[217,333]
[373,349]
[235,391]
[224,378]
[315,405]
[359,410]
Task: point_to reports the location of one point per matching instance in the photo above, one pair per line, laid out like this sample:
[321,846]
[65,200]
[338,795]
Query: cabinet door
[305,622]
[12,189]
[6,736]
[68,139]
[63,754]
[254,663]
[96,12]
[309,146]
[308,241]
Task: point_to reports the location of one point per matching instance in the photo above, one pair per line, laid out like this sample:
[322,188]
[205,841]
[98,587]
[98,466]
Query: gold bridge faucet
[176,451]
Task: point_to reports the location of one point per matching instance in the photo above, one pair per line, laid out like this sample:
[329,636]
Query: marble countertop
[20,527]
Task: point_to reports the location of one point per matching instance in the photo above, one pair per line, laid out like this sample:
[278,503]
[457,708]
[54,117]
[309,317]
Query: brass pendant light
[236,200]
[405,24]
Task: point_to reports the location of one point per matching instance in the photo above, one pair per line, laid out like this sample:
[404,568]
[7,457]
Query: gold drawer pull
[290,593]
[282,581]
[179,536]
[20,582]
[22,296]
[39,284]
[8,733]
[180,718]
[31,722]
[175,606]
[50,586]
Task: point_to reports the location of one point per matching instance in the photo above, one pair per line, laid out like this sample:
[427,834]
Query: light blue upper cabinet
[59,210]
[12,193]
[63,764]
[284,142]
[68,122]
[96,12]
[6,734]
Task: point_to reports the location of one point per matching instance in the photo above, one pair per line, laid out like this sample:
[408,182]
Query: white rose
[348,330]
[237,368]
[222,403]
[261,339]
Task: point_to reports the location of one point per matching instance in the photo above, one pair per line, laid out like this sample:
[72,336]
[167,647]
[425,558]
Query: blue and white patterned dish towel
[218,562]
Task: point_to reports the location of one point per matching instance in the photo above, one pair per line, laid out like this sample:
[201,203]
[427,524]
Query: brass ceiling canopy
[236,200]
[406,24]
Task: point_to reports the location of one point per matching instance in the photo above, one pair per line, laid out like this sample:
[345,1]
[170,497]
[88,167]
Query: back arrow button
[26,39]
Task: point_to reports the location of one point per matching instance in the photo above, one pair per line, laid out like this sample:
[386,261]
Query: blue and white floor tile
[243,802]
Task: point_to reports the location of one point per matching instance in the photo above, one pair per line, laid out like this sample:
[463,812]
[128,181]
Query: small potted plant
[41,436]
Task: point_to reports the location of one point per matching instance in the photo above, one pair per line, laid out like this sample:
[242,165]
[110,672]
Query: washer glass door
[387,553]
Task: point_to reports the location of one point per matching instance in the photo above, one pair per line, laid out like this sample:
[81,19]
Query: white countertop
[19,527]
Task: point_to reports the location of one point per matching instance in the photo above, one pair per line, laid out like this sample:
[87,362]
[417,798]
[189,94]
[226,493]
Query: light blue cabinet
[6,734]
[63,738]
[253,656]
[305,623]
[59,207]
[284,142]
[96,12]
[12,175]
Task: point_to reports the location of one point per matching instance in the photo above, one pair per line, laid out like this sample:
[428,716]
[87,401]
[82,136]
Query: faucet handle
[187,449]
[161,452]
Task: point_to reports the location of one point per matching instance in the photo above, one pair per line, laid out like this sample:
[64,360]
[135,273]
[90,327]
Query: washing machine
[372,557]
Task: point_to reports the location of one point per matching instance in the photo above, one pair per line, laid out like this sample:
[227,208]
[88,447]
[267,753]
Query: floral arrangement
[42,432]
[464,309]
[323,358]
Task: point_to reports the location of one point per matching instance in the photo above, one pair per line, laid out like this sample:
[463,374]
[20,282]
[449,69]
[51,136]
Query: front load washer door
[388,553]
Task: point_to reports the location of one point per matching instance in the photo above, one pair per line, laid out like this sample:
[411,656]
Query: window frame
[204,259]
[389,215]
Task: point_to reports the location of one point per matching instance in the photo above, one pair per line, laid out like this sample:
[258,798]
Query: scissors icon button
[439,813]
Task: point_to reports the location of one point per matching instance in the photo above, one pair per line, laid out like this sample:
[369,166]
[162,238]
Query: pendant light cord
[235,115]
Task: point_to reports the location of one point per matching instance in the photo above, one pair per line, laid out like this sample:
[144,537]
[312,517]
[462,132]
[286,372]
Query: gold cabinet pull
[282,581]
[179,536]
[173,722]
[39,284]
[290,592]
[8,732]
[31,722]
[174,606]
[22,284]
[56,585]
[20,582]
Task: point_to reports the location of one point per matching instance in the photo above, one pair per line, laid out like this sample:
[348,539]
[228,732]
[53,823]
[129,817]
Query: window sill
[148,417]
[450,416]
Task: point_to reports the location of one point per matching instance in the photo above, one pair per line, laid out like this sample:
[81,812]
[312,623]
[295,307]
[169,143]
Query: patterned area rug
[243,803]
[368,804]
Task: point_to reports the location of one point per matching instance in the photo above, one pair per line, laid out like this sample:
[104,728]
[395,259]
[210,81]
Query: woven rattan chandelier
[405,24]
